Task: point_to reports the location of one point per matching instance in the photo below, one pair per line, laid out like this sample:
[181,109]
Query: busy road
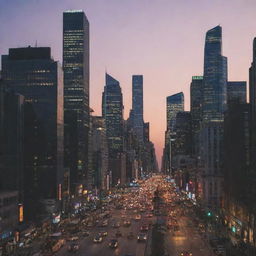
[149,219]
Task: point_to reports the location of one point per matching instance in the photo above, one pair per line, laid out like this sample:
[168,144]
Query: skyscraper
[252,83]
[76,93]
[213,108]
[112,111]
[32,73]
[137,105]
[252,97]
[196,102]
[174,104]
[215,77]
[99,152]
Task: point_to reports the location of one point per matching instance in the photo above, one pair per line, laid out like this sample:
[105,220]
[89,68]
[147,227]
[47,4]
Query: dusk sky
[161,39]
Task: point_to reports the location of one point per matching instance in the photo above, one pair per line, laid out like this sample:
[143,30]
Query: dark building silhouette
[12,141]
[137,105]
[76,94]
[183,140]
[32,73]
[252,98]
[237,179]
[236,91]
[196,102]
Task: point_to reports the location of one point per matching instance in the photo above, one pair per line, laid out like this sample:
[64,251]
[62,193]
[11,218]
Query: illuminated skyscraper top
[215,77]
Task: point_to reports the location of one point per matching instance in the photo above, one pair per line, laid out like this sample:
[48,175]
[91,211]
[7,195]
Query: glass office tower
[174,104]
[112,111]
[215,77]
[76,93]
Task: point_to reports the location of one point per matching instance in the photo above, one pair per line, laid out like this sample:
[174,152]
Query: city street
[188,239]
[125,245]
[131,214]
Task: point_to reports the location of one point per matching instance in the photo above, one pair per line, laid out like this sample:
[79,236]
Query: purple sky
[161,39]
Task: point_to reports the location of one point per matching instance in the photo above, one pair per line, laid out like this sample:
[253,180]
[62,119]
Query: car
[144,228]
[85,233]
[97,239]
[116,225]
[185,253]
[127,223]
[103,233]
[104,223]
[130,235]
[73,247]
[73,238]
[142,237]
[113,243]
[118,233]
[138,217]
[90,224]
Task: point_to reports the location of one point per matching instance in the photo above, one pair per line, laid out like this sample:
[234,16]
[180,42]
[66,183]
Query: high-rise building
[174,104]
[215,77]
[252,98]
[32,73]
[76,94]
[99,152]
[137,105]
[252,83]
[112,111]
[236,91]
[211,129]
[196,102]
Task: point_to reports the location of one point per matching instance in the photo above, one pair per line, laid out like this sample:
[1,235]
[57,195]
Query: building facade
[236,91]
[99,153]
[76,94]
[32,73]
[112,111]
[211,131]
[137,105]
[196,102]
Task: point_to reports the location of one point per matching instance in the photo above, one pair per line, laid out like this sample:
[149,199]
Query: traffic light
[209,214]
